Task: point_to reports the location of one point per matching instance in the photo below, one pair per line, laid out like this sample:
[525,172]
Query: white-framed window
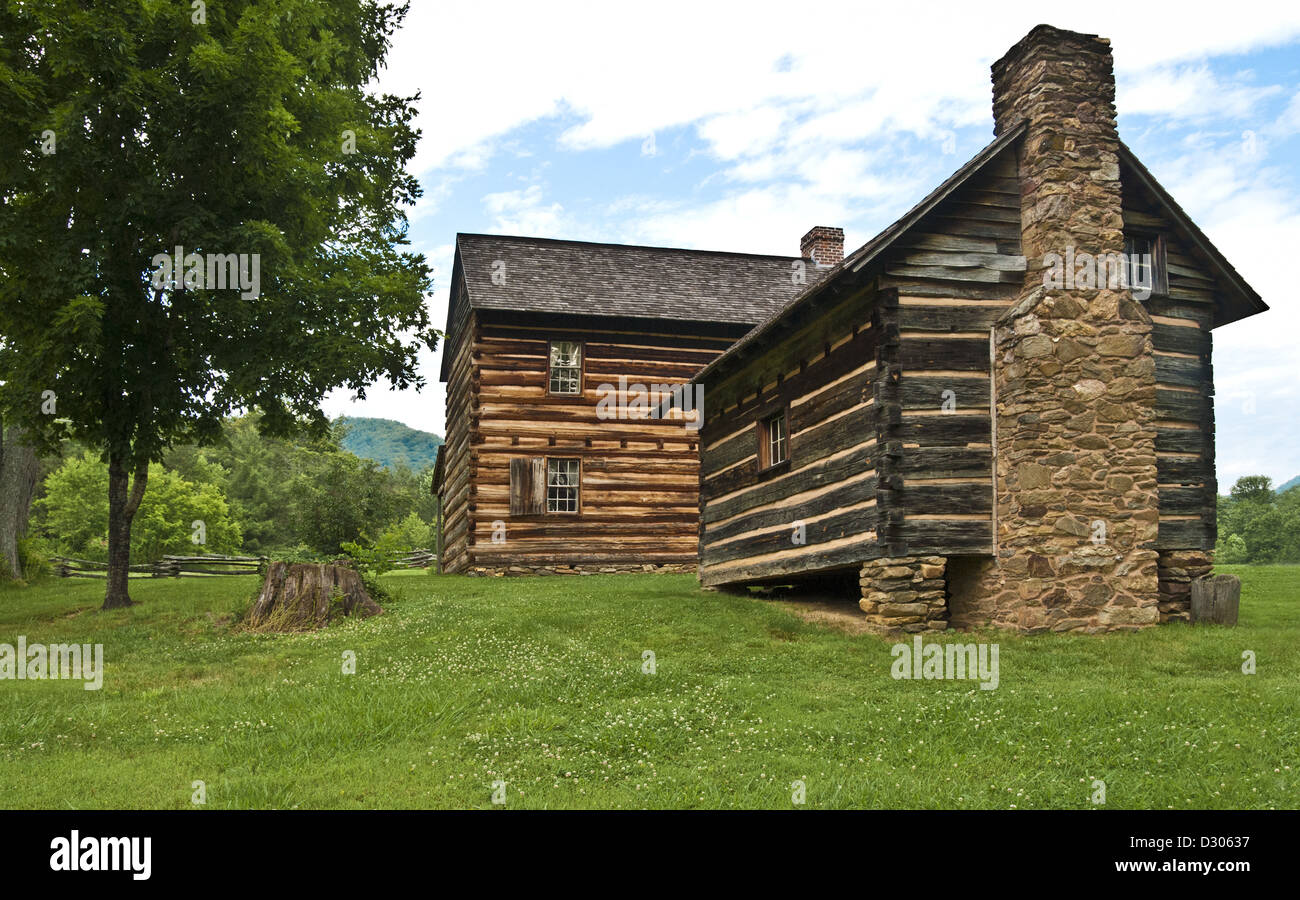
[776,447]
[565,376]
[562,485]
[1144,255]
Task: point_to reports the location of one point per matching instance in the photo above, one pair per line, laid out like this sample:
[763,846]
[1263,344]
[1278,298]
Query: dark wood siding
[935,431]
[457,487]
[967,247]
[821,375]
[1180,334]
[954,273]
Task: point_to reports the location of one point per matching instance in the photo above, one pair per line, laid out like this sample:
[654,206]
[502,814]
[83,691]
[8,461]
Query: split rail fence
[207,566]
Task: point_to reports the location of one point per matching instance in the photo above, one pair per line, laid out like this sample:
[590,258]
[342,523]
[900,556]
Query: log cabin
[557,358]
[1000,409]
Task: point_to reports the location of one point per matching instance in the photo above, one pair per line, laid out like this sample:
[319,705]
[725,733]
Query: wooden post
[438,533]
[1215,599]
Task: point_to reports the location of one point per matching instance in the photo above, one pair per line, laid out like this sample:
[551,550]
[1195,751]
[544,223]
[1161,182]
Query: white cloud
[1288,123]
[620,73]
[733,135]
[1191,92]
[828,121]
[525,212]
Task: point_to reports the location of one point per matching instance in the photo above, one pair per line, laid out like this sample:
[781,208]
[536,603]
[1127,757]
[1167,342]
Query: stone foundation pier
[905,594]
[1177,570]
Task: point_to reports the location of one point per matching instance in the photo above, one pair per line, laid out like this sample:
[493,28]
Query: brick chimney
[1076,507]
[823,245]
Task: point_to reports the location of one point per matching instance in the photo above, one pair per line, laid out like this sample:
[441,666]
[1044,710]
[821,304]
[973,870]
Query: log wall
[1181,338]
[462,421]
[752,518]
[944,283]
[639,478]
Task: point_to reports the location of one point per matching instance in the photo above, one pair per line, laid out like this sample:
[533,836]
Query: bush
[411,533]
[371,561]
[1231,551]
[173,513]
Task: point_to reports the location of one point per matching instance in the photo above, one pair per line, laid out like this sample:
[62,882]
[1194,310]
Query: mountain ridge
[390,442]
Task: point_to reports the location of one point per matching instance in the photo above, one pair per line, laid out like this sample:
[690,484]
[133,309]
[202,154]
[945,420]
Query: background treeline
[299,498]
[1257,524]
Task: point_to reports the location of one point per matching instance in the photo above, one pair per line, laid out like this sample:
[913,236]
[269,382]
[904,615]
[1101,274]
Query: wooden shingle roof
[581,278]
[542,275]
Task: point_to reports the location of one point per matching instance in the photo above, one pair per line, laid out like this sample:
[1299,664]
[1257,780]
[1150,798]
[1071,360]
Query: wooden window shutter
[520,473]
[527,486]
[537,485]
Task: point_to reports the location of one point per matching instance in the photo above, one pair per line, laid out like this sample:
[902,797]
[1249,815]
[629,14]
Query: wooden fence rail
[416,559]
[167,567]
[206,566]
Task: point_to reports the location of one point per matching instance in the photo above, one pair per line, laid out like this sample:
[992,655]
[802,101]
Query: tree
[1254,488]
[176,516]
[241,132]
[345,499]
[1265,536]
[411,533]
[1288,507]
[19,468]
[1231,550]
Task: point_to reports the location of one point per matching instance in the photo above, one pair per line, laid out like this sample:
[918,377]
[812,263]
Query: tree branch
[137,489]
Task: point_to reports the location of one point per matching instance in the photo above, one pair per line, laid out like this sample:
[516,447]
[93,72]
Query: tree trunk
[305,596]
[19,469]
[123,501]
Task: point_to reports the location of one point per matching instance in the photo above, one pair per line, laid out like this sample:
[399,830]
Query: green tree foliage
[1254,488]
[344,499]
[306,492]
[411,533]
[1231,550]
[134,127]
[75,514]
[259,477]
[1257,525]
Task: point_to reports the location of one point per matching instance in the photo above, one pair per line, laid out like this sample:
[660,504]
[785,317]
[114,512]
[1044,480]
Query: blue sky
[739,126]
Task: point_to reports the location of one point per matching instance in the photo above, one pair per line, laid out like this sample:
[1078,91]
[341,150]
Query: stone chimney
[1062,84]
[823,245]
[1076,510]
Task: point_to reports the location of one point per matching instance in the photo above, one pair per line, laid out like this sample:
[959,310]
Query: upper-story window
[1144,255]
[566,368]
[774,440]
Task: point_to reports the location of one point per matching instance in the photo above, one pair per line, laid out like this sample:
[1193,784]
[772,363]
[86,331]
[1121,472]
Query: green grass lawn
[538,683]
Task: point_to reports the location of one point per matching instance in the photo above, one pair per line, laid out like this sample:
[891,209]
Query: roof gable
[1234,299]
[856,267]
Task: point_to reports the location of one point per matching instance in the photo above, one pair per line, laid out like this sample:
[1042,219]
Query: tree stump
[305,596]
[1215,599]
